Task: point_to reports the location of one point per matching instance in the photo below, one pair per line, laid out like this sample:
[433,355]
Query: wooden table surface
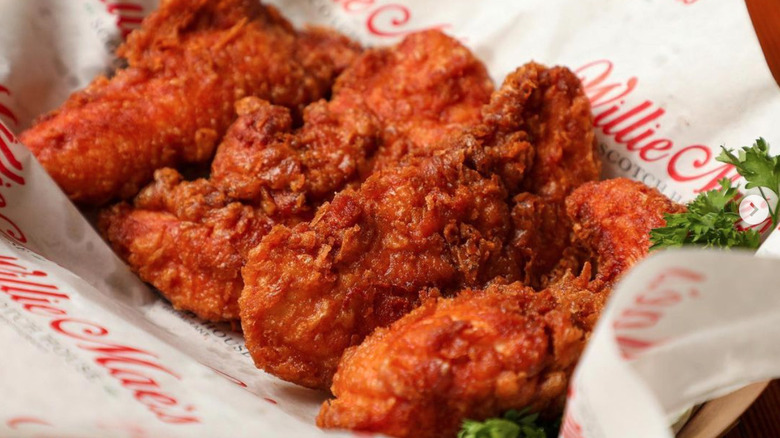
[762,420]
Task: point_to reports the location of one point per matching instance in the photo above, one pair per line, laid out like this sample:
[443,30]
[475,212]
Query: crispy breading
[472,356]
[542,234]
[189,240]
[612,219]
[390,103]
[187,65]
[281,175]
[442,221]
[507,347]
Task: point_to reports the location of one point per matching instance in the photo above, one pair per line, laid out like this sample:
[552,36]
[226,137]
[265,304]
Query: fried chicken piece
[565,157]
[481,353]
[189,62]
[189,240]
[542,235]
[441,221]
[613,219]
[264,162]
[390,103]
[282,175]
[472,356]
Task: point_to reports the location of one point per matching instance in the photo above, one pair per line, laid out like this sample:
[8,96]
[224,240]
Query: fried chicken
[612,220]
[189,240]
[542,238]
[473,356]
[390,103]
[188,64]
[441,221]
[541,226]
[179,235]
[507,347]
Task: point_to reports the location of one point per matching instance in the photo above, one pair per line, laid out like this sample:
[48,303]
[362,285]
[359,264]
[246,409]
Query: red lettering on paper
[4,110]
[636,128]
[384,20]
[649,307]
[229,377]
[10,174]
[15,422]
[129,15]
[136,369]
[630,347]
[570,428]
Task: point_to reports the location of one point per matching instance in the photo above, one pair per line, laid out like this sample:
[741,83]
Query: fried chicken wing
[473,356]
[189,62]
[281,175]
[189,240]
[507,347]
[390,103]
[612,219]
[441,221]
[565,157]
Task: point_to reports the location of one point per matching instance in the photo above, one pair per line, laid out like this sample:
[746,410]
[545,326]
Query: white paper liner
[669,82]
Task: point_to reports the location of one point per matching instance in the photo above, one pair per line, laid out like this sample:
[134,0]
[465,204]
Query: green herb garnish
[513,424]
[760,170]
[709,221]
[711,218]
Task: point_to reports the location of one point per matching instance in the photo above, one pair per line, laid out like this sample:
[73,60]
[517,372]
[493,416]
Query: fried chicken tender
[507,347]
[390,103]
[265,172]
[473,356]
[613,219]
[188,64]
[441,221]
[189,240]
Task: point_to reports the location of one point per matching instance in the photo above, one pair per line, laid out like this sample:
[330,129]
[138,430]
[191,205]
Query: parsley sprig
[760,170]
[514,424]
[710,221]
[711,218]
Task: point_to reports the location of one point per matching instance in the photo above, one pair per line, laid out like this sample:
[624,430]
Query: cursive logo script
[136,369]
[635,128]
[384,20]
[129,15]
[5,111]
[649,307]
[10,175]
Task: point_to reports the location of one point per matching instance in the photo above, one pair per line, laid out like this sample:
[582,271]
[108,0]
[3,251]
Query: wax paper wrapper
[90,351]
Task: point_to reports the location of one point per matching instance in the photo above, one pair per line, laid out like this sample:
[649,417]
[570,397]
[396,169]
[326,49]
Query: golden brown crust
[473,356]
[541,237]
[188,64]
[281,175]
[507,347]
[361,262]
[390,103]
[189,240]
[442,221]
[613,219]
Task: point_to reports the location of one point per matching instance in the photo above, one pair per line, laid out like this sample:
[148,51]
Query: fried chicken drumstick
[506,347]
[188,64]
[441,221]
[190,239]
